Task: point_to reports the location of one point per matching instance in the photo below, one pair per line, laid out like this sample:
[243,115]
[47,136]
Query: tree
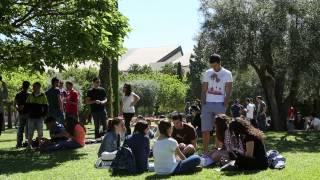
[115,87]
[137,69]
[179,71]
[170,69]
[278,39]
[35,34]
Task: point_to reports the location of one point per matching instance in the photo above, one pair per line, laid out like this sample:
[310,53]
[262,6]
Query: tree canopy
[279,39]
[37,33]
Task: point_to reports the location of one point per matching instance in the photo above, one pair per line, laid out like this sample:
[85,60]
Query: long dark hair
[163,127]
[71,124]
[140,127]
[128,89]
[221,126]
[242,127]
[112,123]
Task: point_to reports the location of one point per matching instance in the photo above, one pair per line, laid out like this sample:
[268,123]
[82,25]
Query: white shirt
[316,123]
[165,161]
[250,110]
[216,84]
[126,102]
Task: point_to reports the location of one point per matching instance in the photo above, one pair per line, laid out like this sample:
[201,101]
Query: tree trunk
[115,87]
[105,77]
[269,87]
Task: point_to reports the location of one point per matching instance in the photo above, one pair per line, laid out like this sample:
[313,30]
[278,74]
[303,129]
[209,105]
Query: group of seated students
[239,145]
[70,137]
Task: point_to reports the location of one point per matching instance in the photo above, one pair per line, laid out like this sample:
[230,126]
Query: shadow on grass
[236,173]
[13,161]
[294,142]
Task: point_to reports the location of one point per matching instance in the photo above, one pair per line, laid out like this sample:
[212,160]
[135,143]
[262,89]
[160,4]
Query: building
[155,57]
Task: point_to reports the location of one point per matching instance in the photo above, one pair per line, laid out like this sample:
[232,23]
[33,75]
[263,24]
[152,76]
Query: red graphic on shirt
[215,90]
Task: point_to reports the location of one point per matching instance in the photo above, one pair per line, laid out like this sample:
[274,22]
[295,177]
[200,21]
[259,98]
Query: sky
[157,23]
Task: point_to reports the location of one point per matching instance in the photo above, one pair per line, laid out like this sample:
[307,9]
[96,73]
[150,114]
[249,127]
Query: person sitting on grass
[185,134]
[314,122]
[225,142]
[139,143]
[56,130]
[254,157]
[75,135]
[168,158]
[111,140]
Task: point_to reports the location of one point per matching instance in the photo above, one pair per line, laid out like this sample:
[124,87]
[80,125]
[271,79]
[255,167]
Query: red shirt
[80,135]
[72,100]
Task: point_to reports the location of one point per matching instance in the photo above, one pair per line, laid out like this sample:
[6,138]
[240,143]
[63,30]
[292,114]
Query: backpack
[124,162]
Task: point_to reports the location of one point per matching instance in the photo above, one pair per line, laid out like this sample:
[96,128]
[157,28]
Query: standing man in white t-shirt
[216,91]
[250,109]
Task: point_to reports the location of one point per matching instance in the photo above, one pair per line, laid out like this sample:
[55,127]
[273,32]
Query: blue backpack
[124,162]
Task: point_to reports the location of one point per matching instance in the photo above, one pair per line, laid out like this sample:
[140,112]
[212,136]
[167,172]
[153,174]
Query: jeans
[127,118]
[62,145]
[58,115]
[99,118]
[23,126]
[35,124]
[262,124]
[188,165]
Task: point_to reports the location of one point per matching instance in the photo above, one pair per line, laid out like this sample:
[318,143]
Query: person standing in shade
[129,100]
[216,91]
[72,100]
[236,109]
[250,109]
[55,101]
[3,98]
[261,114]
[63,93]
[20,103]
[97,99]
[37,108]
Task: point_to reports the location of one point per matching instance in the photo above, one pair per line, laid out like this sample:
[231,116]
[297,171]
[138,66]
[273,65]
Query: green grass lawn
[302,151]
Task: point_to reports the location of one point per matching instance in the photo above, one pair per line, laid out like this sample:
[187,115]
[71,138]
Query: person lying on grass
[255,156]
[185,134]
[165,152]
[111,140]
[61,139]
[225,143]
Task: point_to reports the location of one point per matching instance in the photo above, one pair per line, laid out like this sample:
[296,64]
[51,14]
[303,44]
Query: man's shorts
[209,111]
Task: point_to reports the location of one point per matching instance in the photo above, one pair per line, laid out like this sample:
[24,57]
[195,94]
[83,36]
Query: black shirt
[197,121]
[21,99]
[97,94]
[236,108]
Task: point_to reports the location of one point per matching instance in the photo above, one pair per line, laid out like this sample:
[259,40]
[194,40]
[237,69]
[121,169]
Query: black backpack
[124,162]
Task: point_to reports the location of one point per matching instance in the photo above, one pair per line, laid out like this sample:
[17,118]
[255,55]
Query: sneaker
[229,167]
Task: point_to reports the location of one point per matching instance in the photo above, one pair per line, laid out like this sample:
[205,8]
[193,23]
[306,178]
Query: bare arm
[60,100]
[228,89]
[249,149]
[88,101]
[104,101]
[204,92]
[180,154]
[194,143]
[136,99]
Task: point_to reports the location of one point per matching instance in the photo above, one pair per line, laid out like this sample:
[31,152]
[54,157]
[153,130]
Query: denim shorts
[209,111]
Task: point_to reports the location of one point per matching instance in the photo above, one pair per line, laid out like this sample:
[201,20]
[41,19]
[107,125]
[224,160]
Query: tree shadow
[13,161]
[236,173]
[155,176]
[7,140]
[294,142]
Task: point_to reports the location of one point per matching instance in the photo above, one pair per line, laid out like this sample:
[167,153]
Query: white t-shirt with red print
[216,84]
